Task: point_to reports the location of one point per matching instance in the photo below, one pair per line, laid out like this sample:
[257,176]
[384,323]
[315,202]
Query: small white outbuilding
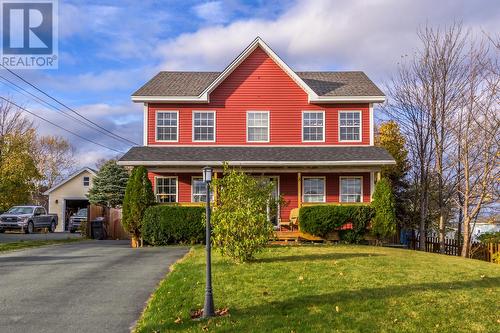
[70,195]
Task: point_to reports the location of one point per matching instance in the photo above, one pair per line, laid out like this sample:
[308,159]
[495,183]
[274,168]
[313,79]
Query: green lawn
[321,288]
[33,243]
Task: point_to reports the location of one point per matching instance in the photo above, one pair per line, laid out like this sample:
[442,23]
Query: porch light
[207,174]
[208,308]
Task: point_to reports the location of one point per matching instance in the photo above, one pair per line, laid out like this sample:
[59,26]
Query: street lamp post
[208,308]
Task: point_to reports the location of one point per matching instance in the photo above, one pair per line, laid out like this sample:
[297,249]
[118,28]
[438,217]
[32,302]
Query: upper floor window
[350,125]
[86,181]
[204,126]
[313,126]
[351,189]
[166,189]
[313,189]
[167,123]
[258,126]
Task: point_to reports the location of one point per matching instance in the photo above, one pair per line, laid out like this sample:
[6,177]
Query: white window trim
[156,124]
[340,187]
[360,125]
[324,125]
[83,180]
[268,125]
[303,188]
[192,190]
[215,124]
[176,187]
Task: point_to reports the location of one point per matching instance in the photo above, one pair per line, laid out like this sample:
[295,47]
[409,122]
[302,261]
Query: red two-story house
[311,133]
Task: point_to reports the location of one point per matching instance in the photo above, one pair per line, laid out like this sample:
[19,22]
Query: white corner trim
[145,126]
[372,123]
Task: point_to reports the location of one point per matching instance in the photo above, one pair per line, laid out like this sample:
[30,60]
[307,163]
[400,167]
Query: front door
[273,209]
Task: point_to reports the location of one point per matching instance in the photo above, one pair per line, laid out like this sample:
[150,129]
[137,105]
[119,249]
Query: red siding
[287,184]
[258,84]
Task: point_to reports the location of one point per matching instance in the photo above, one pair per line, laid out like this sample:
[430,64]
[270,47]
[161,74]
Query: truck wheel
[31,228]
[52,226]
[72,231]
[2,231]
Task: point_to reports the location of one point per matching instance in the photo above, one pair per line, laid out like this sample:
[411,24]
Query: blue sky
[108,49]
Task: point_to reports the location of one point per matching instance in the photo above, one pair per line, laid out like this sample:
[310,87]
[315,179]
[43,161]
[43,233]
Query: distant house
[309,133]
[70,195]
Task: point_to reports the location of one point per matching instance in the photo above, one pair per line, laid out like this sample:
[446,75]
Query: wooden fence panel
[453,247]
[114,224]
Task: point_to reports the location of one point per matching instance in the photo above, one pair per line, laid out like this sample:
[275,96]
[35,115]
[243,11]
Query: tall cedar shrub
[323,219]
[240,224]
[108,186]
[138,196]
[162,225]
[384,222]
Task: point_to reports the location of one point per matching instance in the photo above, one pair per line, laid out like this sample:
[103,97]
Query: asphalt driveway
[89,286]
[9,237]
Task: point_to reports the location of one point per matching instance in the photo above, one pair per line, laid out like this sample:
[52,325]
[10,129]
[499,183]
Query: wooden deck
[298,235]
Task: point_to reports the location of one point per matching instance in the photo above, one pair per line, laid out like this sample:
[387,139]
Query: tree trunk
[466,243]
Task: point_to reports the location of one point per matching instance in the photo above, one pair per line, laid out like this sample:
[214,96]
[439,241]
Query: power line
[67,107]
[60,127]
[25,92]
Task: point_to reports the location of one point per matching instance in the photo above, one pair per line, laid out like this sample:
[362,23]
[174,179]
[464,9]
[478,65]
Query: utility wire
[60,127]
[67,107]
[25,92]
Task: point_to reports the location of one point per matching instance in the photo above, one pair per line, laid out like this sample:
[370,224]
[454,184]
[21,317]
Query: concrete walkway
[89,286]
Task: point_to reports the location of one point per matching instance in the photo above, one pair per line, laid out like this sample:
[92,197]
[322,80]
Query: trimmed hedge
[322,219]
[164,225]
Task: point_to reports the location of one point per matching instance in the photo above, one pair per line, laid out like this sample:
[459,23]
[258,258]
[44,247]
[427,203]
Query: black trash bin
[97,229]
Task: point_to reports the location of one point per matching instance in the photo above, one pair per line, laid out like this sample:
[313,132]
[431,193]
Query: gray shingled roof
[322,83]
[190,155]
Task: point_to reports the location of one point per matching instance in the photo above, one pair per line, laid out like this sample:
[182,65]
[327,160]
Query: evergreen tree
[138,196]
[108,186]
[389,137]
[384,222]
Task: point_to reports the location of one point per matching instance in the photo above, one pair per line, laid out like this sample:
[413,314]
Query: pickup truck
[75,221]
[27,219]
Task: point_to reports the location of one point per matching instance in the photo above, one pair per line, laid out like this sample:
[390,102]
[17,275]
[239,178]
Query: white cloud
[330,35]
[212,12]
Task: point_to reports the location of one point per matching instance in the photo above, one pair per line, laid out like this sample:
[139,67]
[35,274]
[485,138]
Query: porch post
[299,190]
[215,190]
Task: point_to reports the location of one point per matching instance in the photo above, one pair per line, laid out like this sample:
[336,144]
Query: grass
[33,243]
[331,289]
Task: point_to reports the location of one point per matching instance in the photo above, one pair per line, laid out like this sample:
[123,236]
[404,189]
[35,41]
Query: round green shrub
[322,219]
[162,225]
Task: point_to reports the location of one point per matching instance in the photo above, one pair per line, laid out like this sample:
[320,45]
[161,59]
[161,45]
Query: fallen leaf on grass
[222,312]
[178,320]
[301,278]
[337,308]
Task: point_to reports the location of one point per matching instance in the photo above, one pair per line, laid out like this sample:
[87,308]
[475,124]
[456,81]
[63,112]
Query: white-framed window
[167,126]
[86,181]
[313,126]
[204,126]
[350,126]
[166,189]
[199,190]
[313,189]
[258,126]
[351,189]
